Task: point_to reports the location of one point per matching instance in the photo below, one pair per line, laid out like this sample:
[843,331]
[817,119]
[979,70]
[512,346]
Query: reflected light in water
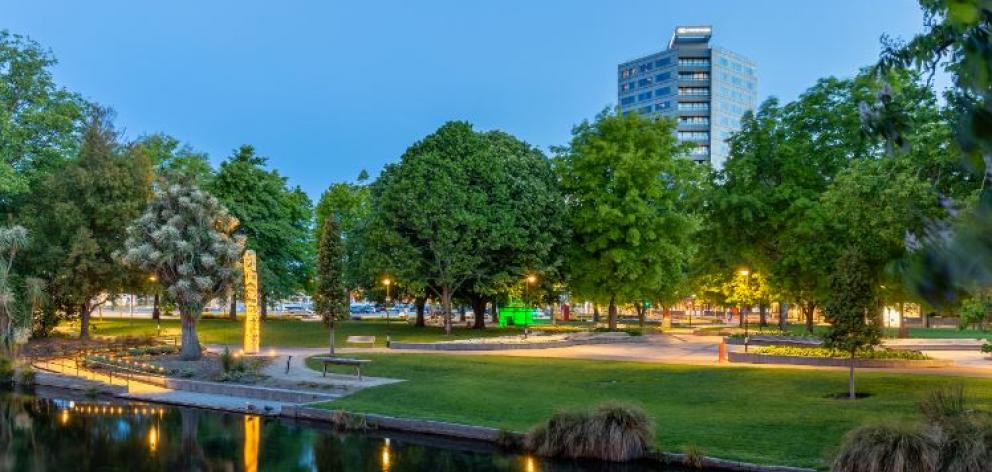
[252,434]
[64,417]
[153,439]
[529,464]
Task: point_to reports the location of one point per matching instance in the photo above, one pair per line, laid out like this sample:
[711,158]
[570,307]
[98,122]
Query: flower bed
[823,352]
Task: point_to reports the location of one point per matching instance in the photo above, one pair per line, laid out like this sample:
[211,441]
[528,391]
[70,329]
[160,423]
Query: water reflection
[53,431]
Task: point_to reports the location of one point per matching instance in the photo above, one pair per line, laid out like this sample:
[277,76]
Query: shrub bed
[822,352]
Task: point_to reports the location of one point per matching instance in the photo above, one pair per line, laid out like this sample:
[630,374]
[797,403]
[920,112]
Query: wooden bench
[357,363]
[370,340]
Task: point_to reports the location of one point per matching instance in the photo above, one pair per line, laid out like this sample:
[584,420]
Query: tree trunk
[595,313]
[762,315]
[903,329]
[808,308]
[446,309]
[461,313]
[495,312]
[156,314]
[850,381]
[264,306]
[331,337]
[419,303]
[84,321]
[232,314]
[740,316]
[640,314]
[613,313]
[783,316]
[190,349]
[479,310]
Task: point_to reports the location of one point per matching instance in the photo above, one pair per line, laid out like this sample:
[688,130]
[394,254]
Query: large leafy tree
[186,238]
[76,215]
[953,254]
[275,219]
[463,212]
[40,123]
[623,177]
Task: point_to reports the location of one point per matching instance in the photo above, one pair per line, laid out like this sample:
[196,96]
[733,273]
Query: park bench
[370,340]
[357,363]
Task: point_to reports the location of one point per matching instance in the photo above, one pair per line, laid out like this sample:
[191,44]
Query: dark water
[55,430]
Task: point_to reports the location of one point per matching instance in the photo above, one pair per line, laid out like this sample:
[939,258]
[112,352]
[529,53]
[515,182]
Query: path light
[387,282]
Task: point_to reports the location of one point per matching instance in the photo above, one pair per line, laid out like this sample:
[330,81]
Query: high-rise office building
[707,89]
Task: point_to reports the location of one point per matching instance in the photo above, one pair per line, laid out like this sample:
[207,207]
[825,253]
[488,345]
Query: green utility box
[520,316]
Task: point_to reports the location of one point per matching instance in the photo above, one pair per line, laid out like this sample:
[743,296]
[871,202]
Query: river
[59,430]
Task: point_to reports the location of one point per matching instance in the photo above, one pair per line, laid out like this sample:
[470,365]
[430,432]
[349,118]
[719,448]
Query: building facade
[706,89]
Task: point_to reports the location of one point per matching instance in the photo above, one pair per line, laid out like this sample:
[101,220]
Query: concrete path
[674,349]
[150,393]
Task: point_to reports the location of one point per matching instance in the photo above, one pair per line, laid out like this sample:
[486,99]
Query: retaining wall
[836,362]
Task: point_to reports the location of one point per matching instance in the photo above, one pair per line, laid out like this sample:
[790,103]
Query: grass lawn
[771,416]
[289,333]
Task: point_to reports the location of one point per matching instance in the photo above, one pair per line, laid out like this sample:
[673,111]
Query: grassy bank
[774,416]
[288,333]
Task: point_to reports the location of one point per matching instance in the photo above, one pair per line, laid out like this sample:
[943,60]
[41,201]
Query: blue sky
[327,88]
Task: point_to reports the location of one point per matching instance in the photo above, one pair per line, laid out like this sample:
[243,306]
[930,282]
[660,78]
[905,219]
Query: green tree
[186,238]
[330,293]
[274,218]
[623,177]
[463,213]
[12,240]
[40,123]
[169,156]
[77,215]
[852,309]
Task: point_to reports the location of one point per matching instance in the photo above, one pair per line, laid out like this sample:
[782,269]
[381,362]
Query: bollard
[723,351]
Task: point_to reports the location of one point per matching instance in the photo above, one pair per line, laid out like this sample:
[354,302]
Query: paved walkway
[670,349]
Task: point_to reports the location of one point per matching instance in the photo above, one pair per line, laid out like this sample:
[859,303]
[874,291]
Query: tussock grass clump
[611,432]
[887,448]
[954,438]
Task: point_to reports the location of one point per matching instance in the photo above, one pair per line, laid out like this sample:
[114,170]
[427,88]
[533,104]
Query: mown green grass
[290,333]
[771,416]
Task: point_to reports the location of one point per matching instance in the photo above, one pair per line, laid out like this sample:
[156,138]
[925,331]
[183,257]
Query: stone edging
[721,464]
[243,391]
[482,433]
[479,433]
[836,362]
[513,346]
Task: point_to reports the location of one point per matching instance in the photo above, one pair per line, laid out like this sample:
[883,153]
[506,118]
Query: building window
[625,86]
[694,75]
[694,106]
[701,151]
[662,77]
[644,110]
[662,91]
[694,120]
[694,135]
[643,82]
[694,91]
[645,67]
[627,100]
[694,61]
[663,62]
[644,96]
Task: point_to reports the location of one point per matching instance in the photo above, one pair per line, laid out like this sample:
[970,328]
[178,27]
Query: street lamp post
[155,312]
[747,278]
[528,281]
[387,282]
